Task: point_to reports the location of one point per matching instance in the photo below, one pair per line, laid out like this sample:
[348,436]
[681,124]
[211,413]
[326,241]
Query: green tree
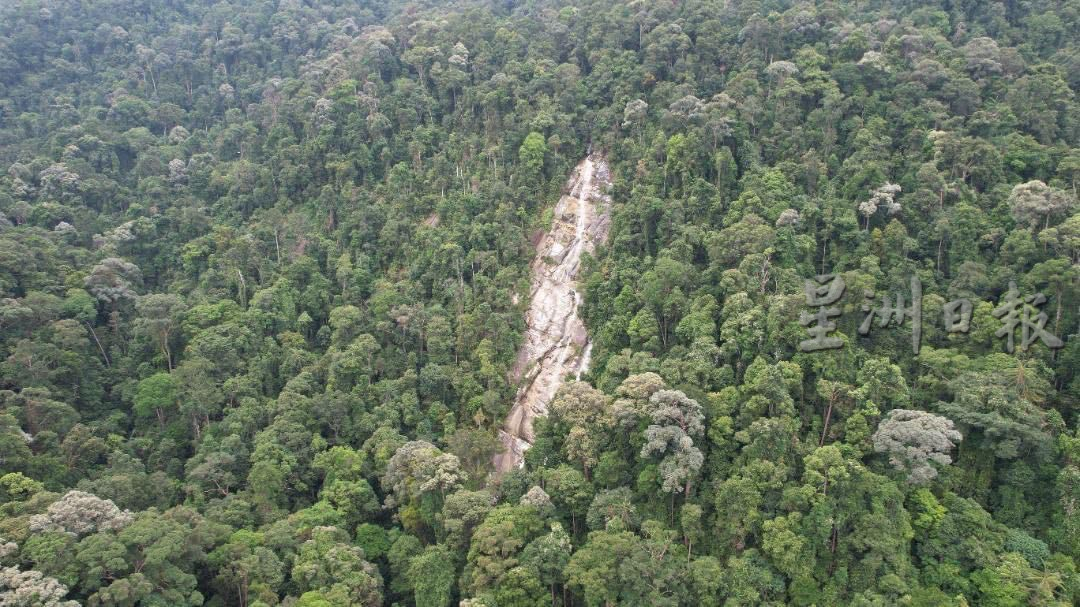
[432,575]
[156,396]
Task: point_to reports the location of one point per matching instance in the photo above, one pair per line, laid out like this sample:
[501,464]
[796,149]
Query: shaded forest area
[262,267]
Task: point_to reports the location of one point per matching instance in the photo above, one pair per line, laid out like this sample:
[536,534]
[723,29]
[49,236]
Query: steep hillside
[286,288]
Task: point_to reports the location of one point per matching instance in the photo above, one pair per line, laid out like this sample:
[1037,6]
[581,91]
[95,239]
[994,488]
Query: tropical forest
[539,303]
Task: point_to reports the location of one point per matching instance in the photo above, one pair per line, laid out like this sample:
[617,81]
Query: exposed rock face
[556,344]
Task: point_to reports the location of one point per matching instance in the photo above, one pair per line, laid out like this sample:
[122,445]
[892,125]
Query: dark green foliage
[262,279]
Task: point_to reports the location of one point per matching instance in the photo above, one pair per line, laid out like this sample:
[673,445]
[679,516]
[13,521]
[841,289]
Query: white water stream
[556,344]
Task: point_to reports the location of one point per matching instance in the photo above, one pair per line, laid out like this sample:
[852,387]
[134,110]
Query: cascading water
[556,344]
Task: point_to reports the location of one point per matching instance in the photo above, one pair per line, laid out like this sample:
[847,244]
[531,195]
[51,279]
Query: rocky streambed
[556,344]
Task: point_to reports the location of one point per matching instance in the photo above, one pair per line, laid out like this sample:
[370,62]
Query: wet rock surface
[556,344]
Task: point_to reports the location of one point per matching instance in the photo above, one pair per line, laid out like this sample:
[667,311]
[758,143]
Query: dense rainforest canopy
[264,266]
